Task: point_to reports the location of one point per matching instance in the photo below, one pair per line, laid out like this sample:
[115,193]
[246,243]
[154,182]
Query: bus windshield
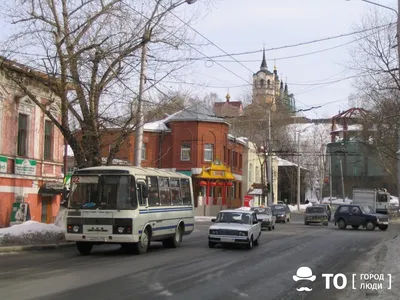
[103,192]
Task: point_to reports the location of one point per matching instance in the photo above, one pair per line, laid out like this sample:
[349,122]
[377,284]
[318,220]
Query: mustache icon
[302,289]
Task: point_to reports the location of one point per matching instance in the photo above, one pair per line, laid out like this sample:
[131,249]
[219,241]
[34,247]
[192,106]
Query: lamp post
[398,64]
[143,75]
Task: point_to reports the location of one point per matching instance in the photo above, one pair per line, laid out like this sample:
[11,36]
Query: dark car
[316,214]
[358,215]
[327,208]
[281,212]
[266,217]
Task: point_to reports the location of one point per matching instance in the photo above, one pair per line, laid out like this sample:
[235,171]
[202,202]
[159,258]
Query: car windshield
[261,210]
[234,217]
[367,209]
[315,209]
[278,208]
[102,192]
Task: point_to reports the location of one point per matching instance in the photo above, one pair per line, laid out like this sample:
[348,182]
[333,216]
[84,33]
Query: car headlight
[242,233]
[121,229]
[75,228]
[214,231]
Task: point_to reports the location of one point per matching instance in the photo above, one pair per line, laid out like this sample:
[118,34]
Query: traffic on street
[193,270]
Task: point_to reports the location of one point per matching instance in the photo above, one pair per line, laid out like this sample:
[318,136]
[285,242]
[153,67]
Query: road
[192,271]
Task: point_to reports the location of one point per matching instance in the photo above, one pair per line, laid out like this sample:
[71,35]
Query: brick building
[31,155]
[197,143]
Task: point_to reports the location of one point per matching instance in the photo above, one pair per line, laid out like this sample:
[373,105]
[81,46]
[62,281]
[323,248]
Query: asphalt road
[192,271]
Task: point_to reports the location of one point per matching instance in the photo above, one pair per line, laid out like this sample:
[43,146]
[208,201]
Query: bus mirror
[145,192]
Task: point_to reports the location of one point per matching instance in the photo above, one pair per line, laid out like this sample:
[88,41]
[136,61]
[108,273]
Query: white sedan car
[235,227]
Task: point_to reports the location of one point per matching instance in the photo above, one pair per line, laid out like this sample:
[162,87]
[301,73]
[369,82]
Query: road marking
[240,293]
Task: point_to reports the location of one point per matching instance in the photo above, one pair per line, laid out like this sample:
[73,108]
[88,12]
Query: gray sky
[241,26]
[245,26]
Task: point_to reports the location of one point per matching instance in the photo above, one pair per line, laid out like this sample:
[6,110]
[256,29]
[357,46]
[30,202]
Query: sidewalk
[22,248]
[383,259]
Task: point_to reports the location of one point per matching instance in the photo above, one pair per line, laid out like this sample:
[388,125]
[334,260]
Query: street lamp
[398,63]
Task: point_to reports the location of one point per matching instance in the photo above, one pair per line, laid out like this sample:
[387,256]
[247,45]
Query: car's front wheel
[250,243]
[211,244]
[383,227]
[370,226]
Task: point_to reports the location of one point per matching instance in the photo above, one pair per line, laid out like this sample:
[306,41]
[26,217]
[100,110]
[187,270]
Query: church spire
[264,66]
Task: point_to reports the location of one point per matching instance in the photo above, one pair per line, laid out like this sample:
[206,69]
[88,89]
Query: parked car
[327,208]
[235,227]
[357,215]
[265,216]
[316,214]
[281,212]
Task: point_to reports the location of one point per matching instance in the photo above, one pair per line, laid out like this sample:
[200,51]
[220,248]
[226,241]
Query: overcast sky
[247,25]
[241,26]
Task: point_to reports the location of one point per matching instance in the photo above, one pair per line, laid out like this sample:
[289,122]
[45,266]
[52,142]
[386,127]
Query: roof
[196,112]
[237,210]
[137,170]
[235,104]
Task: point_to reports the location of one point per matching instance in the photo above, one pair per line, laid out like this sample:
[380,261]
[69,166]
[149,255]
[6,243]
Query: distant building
[228,108]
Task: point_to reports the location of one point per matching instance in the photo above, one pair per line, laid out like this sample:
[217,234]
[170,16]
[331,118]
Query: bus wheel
[175,241]
[84,248]
[143,245]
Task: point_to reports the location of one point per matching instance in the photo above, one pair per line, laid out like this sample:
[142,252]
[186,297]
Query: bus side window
[176,198]
[141,188]
[165,194]
[152,184]
[185,192]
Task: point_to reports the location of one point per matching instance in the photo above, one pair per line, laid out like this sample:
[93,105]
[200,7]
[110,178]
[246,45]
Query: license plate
[95,239]
[227,240]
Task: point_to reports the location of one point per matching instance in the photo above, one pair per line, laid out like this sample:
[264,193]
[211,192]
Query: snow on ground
[203,219]
[30,233]
[302,207]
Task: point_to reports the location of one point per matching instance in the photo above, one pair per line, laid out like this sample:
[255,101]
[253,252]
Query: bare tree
[375,60]
[87,54]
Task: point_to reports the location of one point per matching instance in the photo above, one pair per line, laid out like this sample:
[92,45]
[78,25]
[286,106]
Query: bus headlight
[76,228]
[121,229]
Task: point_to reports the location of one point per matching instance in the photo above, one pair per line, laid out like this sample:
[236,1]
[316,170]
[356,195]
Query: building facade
[31,156]
[197,143]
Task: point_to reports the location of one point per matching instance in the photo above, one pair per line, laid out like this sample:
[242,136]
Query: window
[229,160]
[185,152]
[344,209]
[250,173]
[186,192]
[225,154]
[176,197]
[22,147]
[235,162]
[152,184]
[116,192]
[48,139]
[140,187]
[144,151]
[240,160]
[165,193]
[208,152]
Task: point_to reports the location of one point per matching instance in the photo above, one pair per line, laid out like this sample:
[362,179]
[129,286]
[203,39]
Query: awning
[256,192]
[217,170]
[51,189]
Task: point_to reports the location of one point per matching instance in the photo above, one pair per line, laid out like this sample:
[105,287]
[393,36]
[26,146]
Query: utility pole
[330,177]
[298,171]
[341,173]
[398,127]
[270,200]
[139,112]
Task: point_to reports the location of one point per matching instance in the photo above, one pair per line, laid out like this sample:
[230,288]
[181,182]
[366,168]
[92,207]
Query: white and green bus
[131,206]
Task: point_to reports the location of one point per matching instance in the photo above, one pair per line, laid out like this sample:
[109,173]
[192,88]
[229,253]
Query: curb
[22,248]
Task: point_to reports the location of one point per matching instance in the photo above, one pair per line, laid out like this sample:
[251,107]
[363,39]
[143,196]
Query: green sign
[25,166]
[3,164]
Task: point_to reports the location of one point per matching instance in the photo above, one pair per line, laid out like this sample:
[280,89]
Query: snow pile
[302,207]
[31,232]
[61,219]
[394,201]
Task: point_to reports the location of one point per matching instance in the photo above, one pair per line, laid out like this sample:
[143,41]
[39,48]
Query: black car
[327,208]
[281,212]
[358,215]
[316,214]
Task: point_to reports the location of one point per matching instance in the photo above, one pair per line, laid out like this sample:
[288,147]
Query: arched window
[268,83]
